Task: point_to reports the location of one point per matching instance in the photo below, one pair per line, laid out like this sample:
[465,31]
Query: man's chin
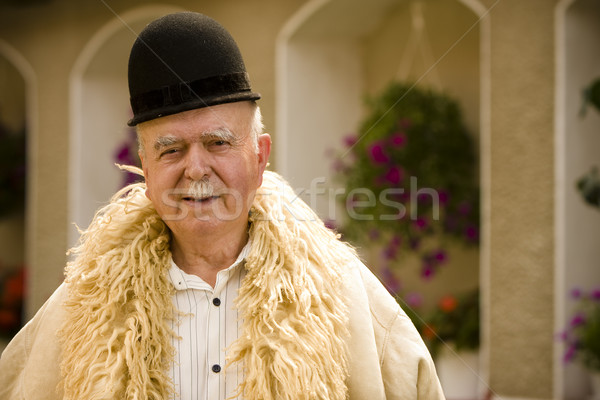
[202,212]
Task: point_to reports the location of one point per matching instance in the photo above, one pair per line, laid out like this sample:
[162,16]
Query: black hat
[184,61]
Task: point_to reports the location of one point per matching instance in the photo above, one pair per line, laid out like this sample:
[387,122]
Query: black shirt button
[217,301]
[216,368]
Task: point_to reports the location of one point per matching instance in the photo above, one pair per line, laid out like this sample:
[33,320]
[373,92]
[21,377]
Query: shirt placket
[201,353]
[215,355]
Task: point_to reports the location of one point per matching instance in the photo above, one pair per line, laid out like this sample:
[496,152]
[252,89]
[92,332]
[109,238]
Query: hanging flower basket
[410,174]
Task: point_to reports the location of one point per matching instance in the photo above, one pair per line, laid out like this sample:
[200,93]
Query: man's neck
[207,255]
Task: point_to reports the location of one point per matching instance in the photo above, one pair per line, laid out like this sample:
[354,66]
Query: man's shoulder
[363,285]
[45,324]
[29,366]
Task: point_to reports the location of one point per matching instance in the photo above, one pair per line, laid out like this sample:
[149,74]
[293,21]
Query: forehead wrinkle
[221,133]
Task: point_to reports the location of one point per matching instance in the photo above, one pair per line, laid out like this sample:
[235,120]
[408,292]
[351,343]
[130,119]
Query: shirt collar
[183,281]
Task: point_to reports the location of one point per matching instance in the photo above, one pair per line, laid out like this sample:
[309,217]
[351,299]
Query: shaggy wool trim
[117,337]
[294,315]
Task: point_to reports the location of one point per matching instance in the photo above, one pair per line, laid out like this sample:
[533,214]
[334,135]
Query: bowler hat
[184,61]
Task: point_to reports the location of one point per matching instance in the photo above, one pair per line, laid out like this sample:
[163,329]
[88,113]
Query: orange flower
[448,303]
[429,332]
[14,289]
[8,320]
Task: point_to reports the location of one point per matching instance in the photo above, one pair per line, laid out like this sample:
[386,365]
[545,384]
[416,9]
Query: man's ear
[264,151]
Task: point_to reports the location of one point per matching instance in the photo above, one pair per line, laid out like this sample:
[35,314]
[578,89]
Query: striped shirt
[208,325]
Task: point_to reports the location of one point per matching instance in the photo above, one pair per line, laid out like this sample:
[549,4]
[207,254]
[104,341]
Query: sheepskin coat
[316,323]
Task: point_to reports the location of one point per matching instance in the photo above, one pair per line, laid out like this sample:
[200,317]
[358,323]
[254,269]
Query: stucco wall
[520,215]
[521,277]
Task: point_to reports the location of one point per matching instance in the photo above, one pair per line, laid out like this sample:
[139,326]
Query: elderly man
[211,280]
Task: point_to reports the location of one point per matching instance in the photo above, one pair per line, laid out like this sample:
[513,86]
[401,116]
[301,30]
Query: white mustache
[201,189]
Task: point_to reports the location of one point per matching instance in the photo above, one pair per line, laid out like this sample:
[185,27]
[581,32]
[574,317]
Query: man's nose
[197,163]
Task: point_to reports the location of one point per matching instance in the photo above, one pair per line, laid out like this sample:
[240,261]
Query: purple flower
[576,293]
[392,283]
[124,155]
[398,139]
[578,320]
[472,233]
[428,266]
[338,165]
[130,178]
[464,208]
[377,154]
[570,353]
[350,140]
[330,224]
[394,175]
[595,295]
[414,300]
[414,243]
[395,241]
[427,271]
[440,256]
[443,196]
[563,336]
[374,234]
[420,223]
[423,198]
[390,252]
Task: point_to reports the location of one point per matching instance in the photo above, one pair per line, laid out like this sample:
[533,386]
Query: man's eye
[219,143]
[169,151]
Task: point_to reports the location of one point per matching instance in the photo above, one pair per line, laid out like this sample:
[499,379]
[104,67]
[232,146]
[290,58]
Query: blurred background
[492,106]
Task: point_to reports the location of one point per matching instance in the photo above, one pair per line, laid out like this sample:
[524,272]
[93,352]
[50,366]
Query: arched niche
[17,114]
[99,112]
[12,125]
[331,53]
[577,144]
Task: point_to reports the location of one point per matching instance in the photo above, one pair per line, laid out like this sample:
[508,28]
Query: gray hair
[256,129]
[256,126]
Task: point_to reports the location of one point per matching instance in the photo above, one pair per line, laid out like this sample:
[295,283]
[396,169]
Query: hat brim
[192,104]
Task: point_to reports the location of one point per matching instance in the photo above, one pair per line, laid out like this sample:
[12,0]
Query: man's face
[212,146]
